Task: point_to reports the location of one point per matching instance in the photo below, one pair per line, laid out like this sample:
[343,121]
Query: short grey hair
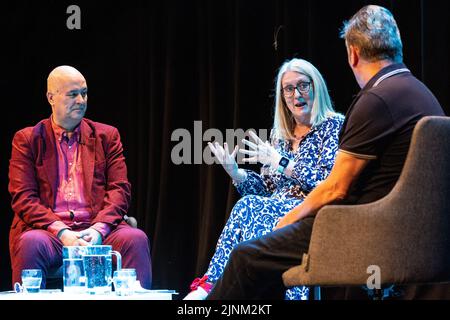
[374,31]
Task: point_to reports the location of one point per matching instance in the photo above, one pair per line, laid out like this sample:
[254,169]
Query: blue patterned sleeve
[311,170]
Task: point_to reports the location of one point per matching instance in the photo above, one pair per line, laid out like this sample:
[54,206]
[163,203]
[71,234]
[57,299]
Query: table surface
[59,295]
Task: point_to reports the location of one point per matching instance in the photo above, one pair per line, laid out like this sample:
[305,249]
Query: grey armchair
[406,233]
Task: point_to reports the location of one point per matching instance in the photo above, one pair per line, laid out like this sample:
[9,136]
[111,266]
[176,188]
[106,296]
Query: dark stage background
[154,67]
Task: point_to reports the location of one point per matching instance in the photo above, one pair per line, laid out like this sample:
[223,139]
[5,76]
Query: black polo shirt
[378,126]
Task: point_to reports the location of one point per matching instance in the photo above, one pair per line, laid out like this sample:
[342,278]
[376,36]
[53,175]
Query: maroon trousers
[40,249]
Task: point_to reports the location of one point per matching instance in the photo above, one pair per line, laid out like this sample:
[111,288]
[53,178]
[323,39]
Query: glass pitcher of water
[97,262]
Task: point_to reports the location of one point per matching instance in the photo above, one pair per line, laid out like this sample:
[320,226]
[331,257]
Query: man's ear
[353,56]
[50,98]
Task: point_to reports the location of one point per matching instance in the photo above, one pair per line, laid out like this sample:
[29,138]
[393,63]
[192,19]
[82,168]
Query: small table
[45,294]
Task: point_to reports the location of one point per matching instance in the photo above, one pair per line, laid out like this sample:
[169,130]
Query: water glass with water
[31,280]
[74,279]
[124,282]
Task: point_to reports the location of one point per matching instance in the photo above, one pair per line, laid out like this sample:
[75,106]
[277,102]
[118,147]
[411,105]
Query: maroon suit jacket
[33,176]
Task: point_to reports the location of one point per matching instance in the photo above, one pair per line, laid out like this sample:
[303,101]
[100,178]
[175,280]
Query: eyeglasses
[302,87]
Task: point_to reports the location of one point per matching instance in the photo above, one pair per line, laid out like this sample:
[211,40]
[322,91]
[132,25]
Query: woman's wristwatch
[282,164]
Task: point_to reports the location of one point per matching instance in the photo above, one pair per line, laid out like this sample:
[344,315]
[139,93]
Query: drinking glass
[74,279]
[124,281]
[31,280]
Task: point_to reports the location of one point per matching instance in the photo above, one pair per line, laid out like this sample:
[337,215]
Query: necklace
[300,137]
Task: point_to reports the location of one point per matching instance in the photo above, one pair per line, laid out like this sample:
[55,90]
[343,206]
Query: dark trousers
[255,267]
[40,249]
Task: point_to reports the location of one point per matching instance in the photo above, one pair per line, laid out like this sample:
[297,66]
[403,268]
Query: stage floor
[59,295]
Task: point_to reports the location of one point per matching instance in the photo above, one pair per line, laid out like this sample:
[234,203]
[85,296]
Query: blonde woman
[304,142]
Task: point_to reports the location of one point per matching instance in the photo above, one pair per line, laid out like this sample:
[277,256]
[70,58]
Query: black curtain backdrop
[154,67]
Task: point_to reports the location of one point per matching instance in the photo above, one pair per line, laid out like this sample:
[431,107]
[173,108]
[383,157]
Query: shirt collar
[61,133]
[381,73]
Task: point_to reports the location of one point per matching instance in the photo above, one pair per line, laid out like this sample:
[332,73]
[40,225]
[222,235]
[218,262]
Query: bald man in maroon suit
[69,186]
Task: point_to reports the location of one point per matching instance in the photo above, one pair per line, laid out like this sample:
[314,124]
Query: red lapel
[49,161]
[87,149]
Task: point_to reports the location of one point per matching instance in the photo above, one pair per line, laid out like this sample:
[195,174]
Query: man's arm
[118,189]
[345,171]
[24,187]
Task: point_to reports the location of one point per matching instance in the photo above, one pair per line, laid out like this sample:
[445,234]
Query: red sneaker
[200,289]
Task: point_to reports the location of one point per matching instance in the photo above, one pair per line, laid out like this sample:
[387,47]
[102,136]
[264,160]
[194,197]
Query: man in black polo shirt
[373,145]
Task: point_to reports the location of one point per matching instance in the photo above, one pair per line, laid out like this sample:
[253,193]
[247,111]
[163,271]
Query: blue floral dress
[268,196]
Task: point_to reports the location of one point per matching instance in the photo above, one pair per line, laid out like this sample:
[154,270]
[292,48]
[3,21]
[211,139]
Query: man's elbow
[338,193]
[340,196]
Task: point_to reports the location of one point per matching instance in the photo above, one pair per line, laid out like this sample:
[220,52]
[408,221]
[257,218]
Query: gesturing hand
[260,151]
[228,161]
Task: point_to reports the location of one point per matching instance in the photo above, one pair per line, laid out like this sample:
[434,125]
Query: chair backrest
[406,233]
[422,196]
[426,174]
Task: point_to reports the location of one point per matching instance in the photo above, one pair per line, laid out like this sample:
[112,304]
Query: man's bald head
[67,94]
[60,75]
